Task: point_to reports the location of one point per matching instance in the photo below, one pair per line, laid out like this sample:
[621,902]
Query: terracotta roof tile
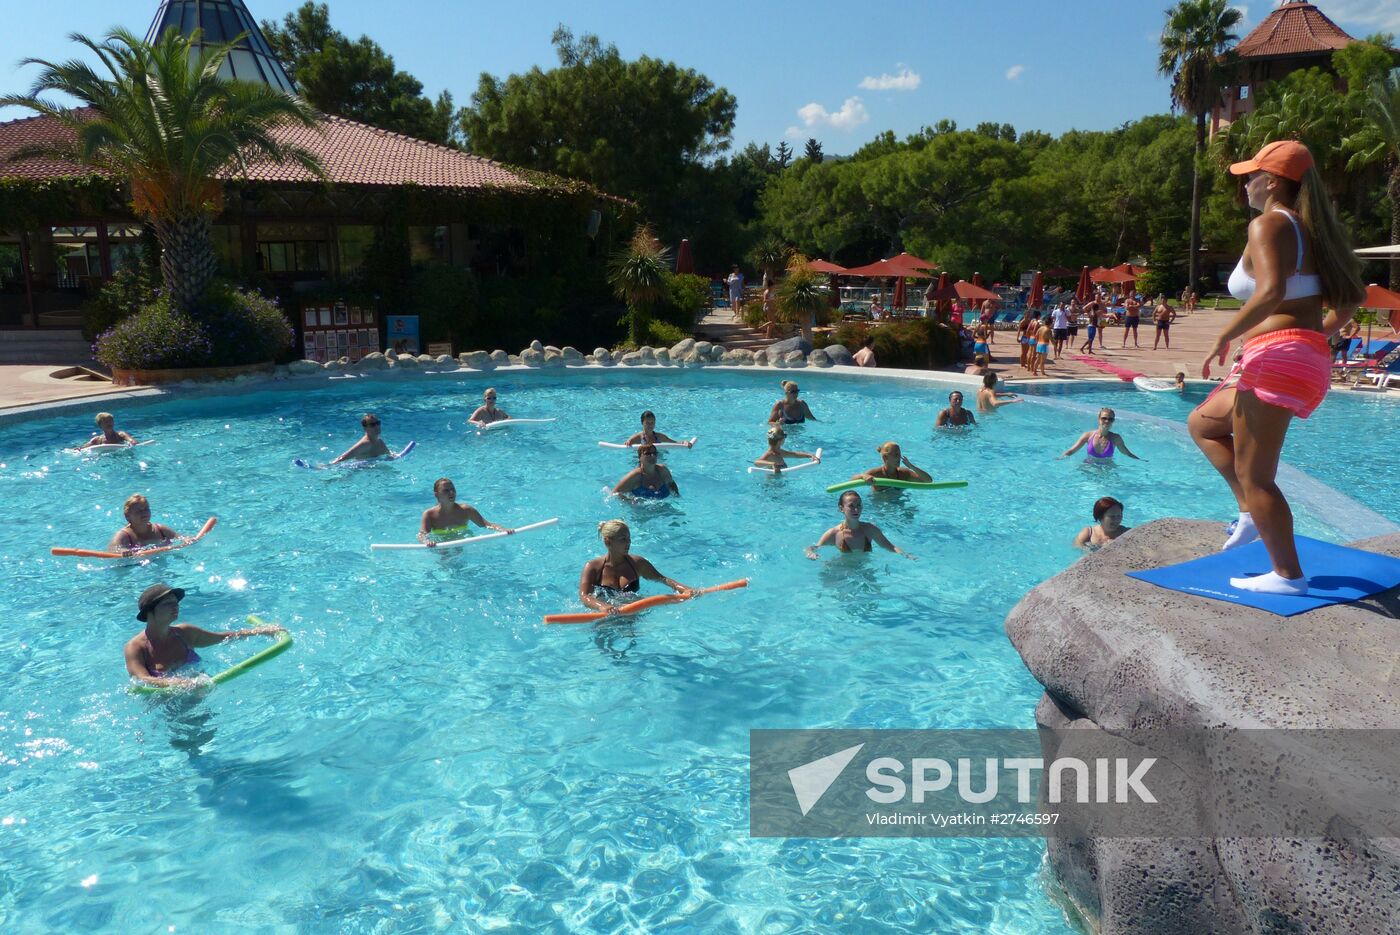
[352,153]
[1295,28]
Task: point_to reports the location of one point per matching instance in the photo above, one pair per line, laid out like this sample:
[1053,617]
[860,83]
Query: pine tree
[814,150]
[784,155]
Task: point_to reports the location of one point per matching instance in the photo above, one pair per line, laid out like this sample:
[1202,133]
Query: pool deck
[23,385]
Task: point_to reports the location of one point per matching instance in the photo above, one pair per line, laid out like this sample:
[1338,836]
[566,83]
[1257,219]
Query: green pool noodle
[282,643]
[898,484]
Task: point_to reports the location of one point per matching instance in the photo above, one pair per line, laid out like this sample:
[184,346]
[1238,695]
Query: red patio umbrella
[822,266]
[962,289]
[685,263]
[1378,298]
[1037,296]
[1085,288]
[1117,276]
[917,267]
[887,268]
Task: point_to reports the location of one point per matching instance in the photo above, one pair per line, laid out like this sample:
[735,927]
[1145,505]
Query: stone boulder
[531,357]
[573,357]
[788,345]
[514,360]
[477,360]
[373,361]
[681,348]
[794,359]
[426,359]
[703,349]
[760,357]
[693,359]
[717,352]
[299,368]
[648,354]
[818,358]
[1118,654]
[631,359]
[551,347]
[406,362]
[602,356]
[332,366]
[445,362]
[742,356]
[535,345]
[501,358]
[553,357]
[840,355]
[663,356]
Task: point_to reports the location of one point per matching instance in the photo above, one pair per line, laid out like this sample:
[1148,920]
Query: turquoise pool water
[428,756]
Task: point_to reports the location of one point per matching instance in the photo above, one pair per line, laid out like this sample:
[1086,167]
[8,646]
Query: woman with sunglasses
[790,410]
[370,444]
[648,480]
[165,646]
[1102,441]
[607,579]
[1296,263]
[487,412]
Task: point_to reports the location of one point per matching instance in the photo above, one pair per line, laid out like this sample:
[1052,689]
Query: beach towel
[1336,575]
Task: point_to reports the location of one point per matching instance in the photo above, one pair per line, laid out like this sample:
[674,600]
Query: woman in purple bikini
[1102,441]
[164,646]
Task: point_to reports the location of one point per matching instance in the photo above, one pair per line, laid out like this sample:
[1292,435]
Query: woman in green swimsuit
[449,516]
[852,535]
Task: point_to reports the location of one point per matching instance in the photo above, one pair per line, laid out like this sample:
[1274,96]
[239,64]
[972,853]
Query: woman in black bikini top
[790,410]
[618,572]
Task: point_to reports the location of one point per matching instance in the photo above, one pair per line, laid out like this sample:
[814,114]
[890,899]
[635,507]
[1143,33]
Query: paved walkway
[27,384]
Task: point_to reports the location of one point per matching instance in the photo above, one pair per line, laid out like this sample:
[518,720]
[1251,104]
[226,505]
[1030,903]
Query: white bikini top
[1297,286]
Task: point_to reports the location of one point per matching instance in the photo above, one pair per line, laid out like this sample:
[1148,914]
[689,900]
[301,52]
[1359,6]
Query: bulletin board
[330,331]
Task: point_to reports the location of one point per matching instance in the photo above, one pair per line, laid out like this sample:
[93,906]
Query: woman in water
[449,516]
[164,645]
[989,400]
[648,480]
[650,436]
[955,415]
[1108,519]
[893,466]
[1296,261]
[139,531]
[776,455]
[487,412]
[1102,441]
[107,433]
[852,535]
[618,572]
[790,410]
[370,444]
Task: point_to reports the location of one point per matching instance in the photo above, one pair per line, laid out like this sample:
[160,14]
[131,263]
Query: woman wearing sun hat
[1297,261]
[164,645]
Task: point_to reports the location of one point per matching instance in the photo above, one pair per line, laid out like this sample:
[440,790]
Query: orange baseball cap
[1286,158]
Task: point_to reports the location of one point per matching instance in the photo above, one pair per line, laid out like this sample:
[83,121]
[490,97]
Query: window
[354,242]
[430,245]
[1244,92]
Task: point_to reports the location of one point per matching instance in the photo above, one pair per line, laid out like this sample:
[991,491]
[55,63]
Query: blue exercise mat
[1336,575]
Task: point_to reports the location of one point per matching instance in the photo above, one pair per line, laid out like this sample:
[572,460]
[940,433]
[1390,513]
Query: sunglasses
[374,422]
[1105,418]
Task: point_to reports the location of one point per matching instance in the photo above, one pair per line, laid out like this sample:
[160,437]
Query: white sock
[1244,532]
[1271,583]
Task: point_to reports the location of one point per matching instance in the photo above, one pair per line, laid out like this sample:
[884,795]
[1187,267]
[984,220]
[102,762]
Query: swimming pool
[428,756]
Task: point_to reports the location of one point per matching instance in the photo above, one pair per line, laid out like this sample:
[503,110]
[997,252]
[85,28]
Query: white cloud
[1381,15]
[1014,72]
[851,115]
[794,133]
[903,80]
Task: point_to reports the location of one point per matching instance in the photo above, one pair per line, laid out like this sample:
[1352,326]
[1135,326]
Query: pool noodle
[644,603]
[139,553]
[356,463]
[658,444]
[283,643]
[754,468]
[501,423]
[103,449]
[898,484]
[455,543]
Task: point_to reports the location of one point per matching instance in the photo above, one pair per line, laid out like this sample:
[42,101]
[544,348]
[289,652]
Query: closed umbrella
[977,280]
[899,297]
[1085,287]
[1037,296]
[685,263]
[945,306]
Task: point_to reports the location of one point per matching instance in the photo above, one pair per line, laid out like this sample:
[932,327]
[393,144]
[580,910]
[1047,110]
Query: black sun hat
[153,596]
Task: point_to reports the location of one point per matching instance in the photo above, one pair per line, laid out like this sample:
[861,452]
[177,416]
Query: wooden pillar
[28,278]
[104,250]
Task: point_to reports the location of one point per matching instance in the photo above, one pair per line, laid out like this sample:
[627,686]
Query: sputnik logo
[811,780]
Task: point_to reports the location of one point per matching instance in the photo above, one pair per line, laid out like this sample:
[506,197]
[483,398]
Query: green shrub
[664,334]
[921,344]
[129,290]
[685,296]
[229,327]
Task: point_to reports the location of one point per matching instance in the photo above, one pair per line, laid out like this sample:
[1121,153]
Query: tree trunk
[1393,188]
[1191,264]
[187,260]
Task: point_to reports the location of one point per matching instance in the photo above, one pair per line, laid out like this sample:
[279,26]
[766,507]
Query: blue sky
[838,71]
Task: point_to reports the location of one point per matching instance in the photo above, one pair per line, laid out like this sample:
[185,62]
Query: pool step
[44,346]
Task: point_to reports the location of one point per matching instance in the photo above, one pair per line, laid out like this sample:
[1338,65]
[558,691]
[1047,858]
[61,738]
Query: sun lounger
[1356,369]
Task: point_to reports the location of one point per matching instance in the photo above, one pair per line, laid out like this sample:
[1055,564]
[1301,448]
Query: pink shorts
[1291,369]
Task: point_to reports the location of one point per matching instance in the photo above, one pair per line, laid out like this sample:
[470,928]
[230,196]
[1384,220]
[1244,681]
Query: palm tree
[1194,55]
[771,256]
[637,274]
[166,123]
[801,297]
[1376,142]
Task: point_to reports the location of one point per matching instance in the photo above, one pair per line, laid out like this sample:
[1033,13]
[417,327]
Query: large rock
[602,356]
[531,357]
[681,348]
[373,361]
[742,356]
[303,367]
[406,362]
[1118,654]
[693,358]
[573,357]
[793,359]
[760,357]
[535,345]
[717,352]
[332,366]
[840,355]
[501,358]
[477,360]
[818,358]
[663,356]
[514,360]
[553,357]
[426,359]
[445,362]
[648,354]
[631,359]
[703,348]
[786,346]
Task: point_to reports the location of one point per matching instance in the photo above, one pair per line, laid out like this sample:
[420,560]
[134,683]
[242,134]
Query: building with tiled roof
[279,222]
[1296,35]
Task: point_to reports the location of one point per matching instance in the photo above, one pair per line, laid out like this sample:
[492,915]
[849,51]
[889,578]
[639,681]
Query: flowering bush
[230,327]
